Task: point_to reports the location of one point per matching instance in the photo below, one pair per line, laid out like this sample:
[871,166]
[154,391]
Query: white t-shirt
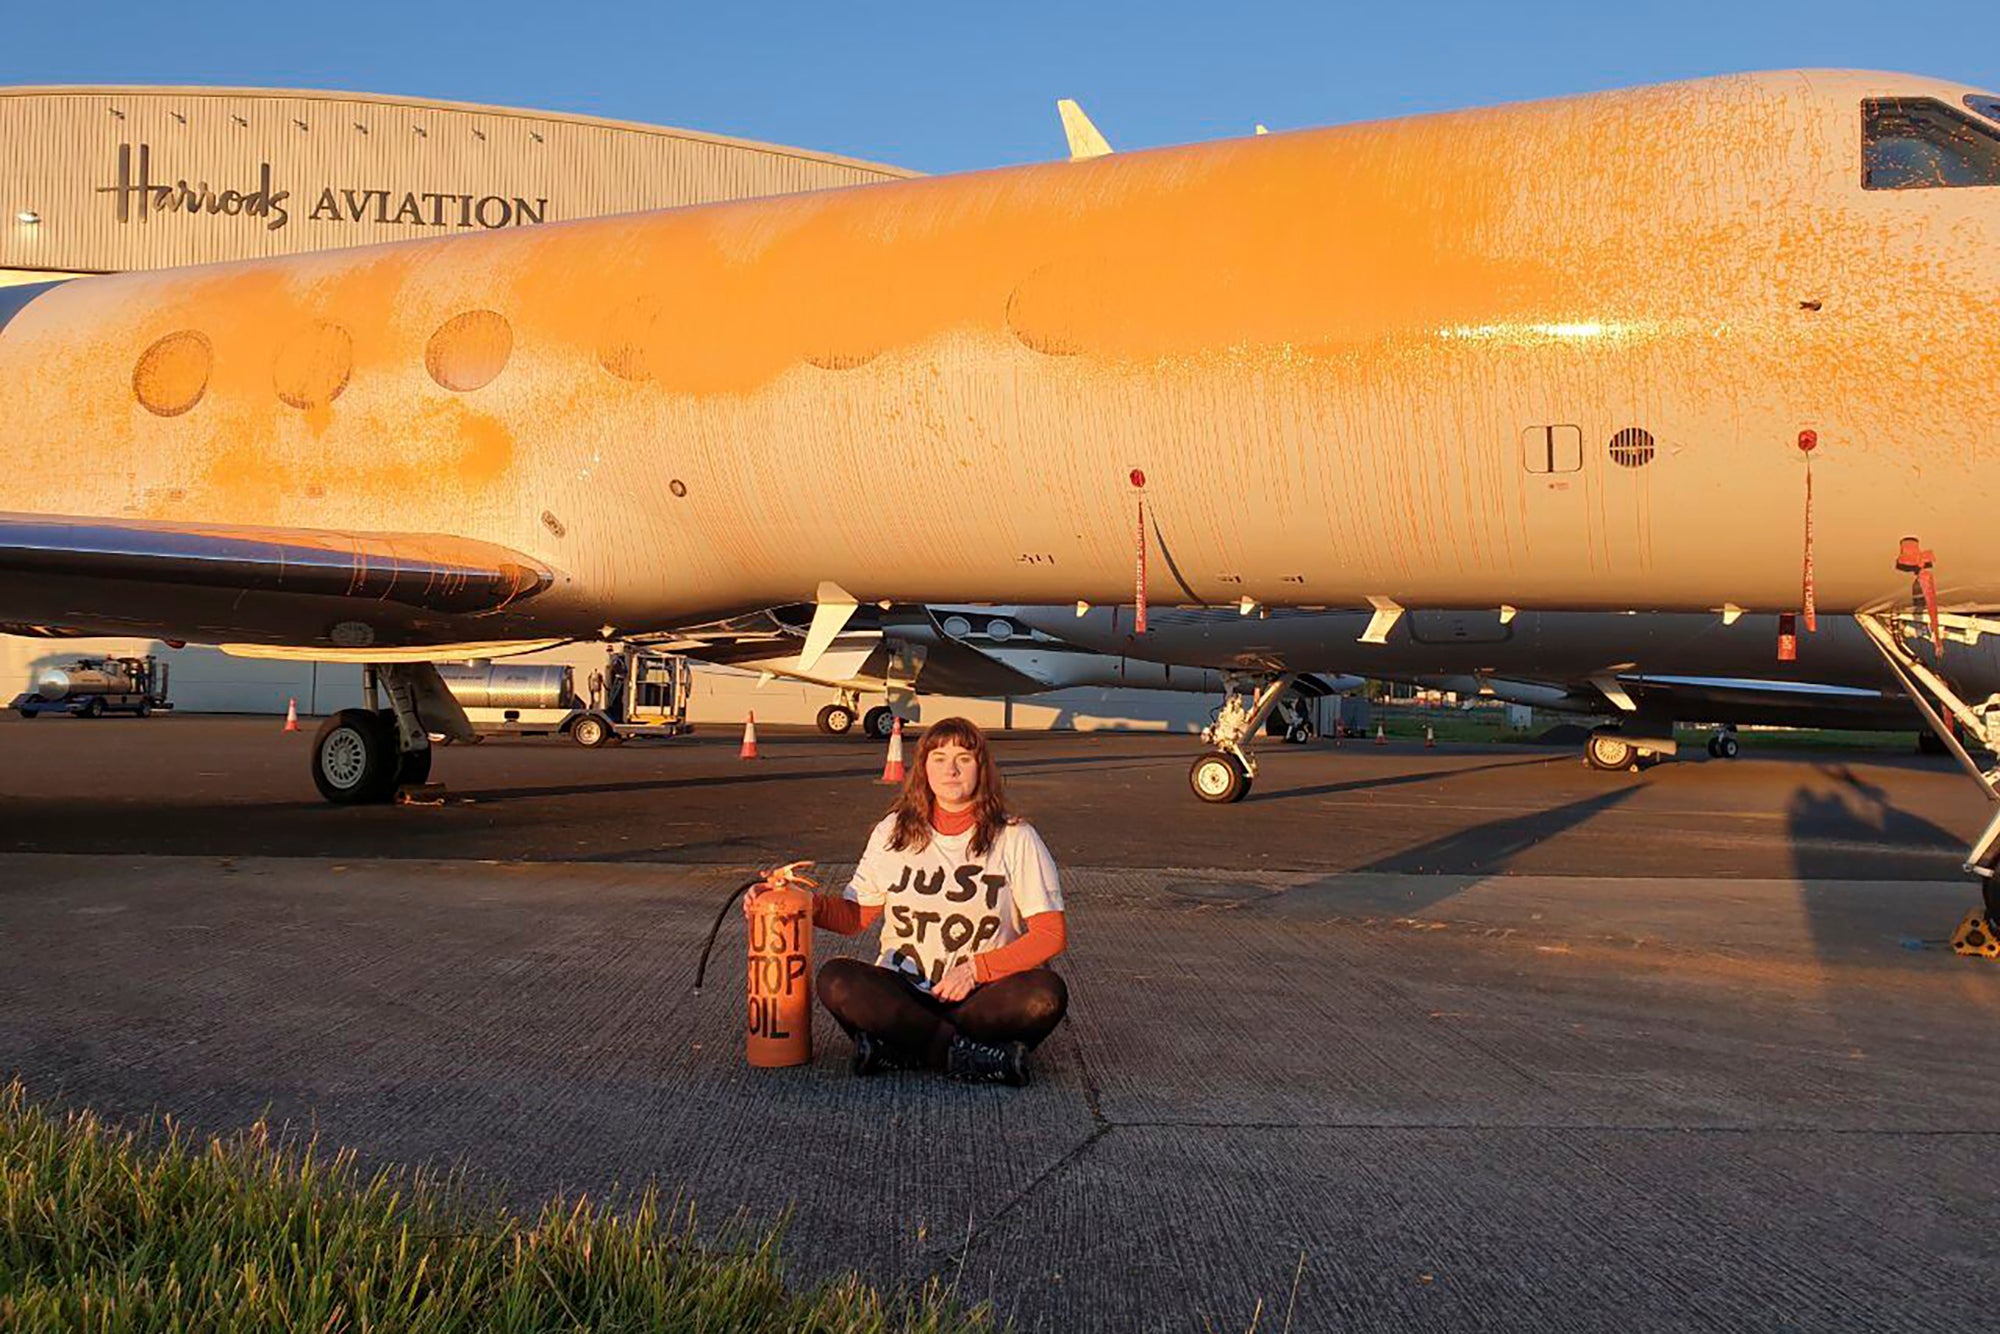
[940,904]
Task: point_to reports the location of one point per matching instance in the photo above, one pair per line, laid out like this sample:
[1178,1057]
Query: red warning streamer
[1912,558]
[1138,480]
[1807,440]
[1139,589]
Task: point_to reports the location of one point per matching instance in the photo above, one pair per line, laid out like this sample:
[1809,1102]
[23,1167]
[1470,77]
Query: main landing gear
[1722,746]
[1223,774]
[838,719]
[1941,706]
[364,756]
[1643,740]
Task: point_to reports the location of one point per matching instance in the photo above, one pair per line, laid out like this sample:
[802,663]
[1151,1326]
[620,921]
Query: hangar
[106,180]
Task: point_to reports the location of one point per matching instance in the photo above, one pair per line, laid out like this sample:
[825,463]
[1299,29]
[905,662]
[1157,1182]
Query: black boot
[987,1062]
[872,1056]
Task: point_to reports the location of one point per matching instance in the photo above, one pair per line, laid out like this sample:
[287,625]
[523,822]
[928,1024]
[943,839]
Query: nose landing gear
[1941,706]
[1224,774]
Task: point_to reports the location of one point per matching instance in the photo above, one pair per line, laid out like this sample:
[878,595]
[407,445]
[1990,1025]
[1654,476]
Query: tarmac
[1411,1039]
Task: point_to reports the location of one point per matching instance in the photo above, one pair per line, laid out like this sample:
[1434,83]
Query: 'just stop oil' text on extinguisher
[779,966]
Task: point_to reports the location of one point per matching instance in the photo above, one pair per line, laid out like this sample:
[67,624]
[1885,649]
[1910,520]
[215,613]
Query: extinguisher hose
[701,969]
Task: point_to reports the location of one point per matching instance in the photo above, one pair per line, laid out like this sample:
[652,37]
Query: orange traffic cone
[1430,738]
[1381,737]
[749,751]
[292,714]
[892,768]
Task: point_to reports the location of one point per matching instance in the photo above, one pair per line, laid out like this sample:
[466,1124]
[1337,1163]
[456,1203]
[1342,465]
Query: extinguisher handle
[701,969]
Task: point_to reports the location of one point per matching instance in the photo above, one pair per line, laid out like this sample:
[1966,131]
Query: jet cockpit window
[1919,143]
[1988,107]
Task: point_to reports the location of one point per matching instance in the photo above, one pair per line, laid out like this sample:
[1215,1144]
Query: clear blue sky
[947,86]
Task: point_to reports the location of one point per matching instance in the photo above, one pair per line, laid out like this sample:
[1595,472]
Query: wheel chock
[1975,936]
[420,794]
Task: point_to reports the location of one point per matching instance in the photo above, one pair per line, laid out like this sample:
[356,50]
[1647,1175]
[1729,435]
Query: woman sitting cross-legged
[971,913]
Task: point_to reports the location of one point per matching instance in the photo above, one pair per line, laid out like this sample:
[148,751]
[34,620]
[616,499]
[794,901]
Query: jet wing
[296,586]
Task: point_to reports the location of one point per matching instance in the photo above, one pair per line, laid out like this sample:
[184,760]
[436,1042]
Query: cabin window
[1552,449]
[1919,143]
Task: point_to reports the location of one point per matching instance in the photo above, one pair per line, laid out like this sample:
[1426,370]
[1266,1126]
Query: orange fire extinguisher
[779,967]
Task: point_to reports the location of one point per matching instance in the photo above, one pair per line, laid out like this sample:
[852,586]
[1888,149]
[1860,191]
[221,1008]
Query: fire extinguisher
[779,966]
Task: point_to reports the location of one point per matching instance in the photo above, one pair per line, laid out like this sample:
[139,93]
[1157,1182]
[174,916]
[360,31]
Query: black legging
[882,1003]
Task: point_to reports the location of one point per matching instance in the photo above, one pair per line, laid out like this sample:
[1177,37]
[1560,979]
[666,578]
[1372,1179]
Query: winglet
[1084,140]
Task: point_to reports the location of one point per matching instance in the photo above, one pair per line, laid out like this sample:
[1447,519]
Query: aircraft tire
[1218,778]
[1725,747]
[878,722]
[1609,752]
[590,731]
[354,758]
[836,720]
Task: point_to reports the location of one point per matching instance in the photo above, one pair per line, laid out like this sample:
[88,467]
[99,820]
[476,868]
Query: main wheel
[1725,747]
[590,731]
[1609,751]
[878,722]
[93,707]
[355,758]
[836,720]
[1219,778]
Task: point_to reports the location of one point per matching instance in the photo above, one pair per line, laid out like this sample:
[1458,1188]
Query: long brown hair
[912,808]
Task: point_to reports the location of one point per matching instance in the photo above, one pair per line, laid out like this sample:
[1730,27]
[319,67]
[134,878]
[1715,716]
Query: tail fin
[1084,140]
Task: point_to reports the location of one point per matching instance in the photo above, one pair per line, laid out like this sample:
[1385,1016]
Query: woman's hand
[957,982]
[750,897]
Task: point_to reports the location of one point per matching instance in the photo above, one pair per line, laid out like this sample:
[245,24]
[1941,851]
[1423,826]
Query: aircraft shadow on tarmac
[1835,834]
[1419,878]
[1843,838]
[493,796]
[1399,780]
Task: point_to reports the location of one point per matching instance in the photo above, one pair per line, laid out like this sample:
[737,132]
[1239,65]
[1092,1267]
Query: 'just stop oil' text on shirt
[941,904]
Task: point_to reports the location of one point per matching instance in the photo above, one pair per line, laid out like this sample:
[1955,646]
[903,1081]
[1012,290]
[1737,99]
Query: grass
[105,1230]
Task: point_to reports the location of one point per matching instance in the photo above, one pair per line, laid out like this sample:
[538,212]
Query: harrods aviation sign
[140,195]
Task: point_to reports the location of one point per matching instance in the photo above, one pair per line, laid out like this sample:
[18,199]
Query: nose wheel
[1219,778]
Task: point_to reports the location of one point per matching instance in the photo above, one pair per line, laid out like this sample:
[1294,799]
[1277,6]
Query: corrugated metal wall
[119,179]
